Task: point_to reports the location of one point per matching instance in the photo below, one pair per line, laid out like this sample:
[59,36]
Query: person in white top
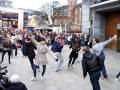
[98,50]
[41,58]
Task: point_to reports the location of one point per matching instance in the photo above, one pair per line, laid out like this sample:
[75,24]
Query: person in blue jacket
[57,48]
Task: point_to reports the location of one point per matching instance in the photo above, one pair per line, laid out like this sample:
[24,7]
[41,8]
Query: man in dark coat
[92,66]
[16,84]
[6,48]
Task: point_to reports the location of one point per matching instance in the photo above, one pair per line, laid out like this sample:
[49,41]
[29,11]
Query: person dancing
[40,58]
[98,49]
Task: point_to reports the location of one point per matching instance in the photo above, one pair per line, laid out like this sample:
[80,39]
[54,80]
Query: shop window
[14,24]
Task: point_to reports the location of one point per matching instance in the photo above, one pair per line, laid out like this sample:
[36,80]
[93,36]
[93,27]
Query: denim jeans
[104,71]
[94,78]
[32,63]
[102,59]
[60,59]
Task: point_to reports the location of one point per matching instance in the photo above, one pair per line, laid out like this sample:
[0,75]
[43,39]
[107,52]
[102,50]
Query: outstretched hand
[115,36]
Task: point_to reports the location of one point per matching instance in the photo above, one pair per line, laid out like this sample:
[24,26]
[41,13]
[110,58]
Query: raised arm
[110,40]
[34,41]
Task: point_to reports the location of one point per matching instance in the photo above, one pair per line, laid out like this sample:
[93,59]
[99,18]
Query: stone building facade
[69,17]
[104,19]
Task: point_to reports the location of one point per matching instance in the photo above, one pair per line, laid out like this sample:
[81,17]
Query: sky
[34,4]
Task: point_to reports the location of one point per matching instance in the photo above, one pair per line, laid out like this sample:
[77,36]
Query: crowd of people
[35,45]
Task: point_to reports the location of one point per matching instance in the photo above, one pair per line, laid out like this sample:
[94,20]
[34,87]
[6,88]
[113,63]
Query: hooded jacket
[90,63]
[17,86]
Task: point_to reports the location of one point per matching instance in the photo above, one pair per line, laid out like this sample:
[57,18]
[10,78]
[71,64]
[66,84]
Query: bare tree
[48,10]
[6,3]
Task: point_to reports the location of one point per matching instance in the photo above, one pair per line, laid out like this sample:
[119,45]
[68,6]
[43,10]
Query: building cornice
[106,6]
[103,3]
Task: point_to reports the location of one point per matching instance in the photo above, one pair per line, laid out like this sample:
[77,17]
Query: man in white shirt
[98,49]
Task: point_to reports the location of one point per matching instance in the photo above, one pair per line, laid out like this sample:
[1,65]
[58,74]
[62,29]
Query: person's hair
[97,40]
[41,39]
[28,39]
[86,49]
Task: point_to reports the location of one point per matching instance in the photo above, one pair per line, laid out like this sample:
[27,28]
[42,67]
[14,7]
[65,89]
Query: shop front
[106,18]
[11,18]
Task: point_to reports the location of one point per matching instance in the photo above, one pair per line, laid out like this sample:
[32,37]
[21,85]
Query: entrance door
[112,19]
[118,40]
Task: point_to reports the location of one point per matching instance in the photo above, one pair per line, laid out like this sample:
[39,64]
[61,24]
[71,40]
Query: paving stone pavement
[65,79]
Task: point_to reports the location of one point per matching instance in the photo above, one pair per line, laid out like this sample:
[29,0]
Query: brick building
[68,17]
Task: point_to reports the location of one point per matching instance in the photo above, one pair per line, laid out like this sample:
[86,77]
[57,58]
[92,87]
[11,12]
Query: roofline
[103,3]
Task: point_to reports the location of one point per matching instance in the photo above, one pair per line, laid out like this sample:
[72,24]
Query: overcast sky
[34,4]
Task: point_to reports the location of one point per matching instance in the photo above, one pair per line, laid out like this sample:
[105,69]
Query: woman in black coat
[30,47]
[6,48]
[74,53]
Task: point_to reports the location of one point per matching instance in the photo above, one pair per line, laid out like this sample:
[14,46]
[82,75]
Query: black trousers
[94,79]
[43,72]
[3,54]
[14,47]
[72,58]
[118,75]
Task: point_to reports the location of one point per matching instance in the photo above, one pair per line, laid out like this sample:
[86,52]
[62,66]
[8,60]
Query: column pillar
[20,20]
[0,21]
[85,16]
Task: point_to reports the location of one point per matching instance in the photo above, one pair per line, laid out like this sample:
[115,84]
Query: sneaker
[68,68]
[58,70]
[41,77]
[56,60]
[11,57]
[116,79]
[106,78]
[33,79]
[71,66]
